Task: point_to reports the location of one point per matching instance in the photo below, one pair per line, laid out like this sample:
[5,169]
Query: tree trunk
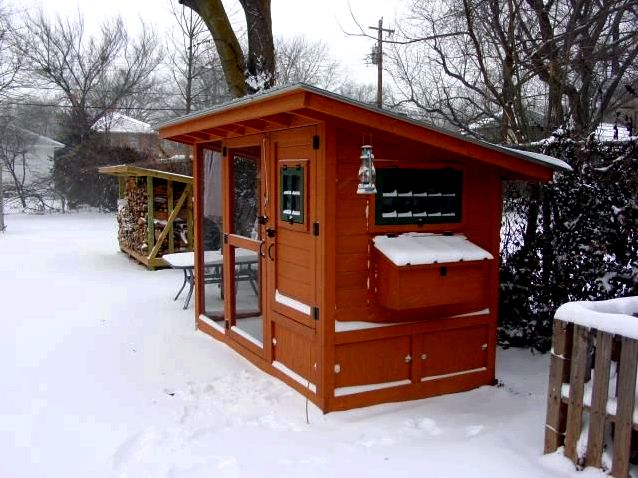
[242,76]
[226,43]
[261,49]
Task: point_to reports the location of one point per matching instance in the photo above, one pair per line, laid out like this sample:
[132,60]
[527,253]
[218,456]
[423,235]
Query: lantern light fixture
[367,173]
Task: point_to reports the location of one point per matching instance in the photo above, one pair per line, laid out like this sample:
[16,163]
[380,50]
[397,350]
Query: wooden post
[169,200]
[576,391]
[558,372]
[190,230]
[598,410]
[625,408]
[121,182]
[198,171]
[150,214]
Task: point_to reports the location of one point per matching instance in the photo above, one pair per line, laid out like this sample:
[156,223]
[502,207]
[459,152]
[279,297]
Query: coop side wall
[414,353]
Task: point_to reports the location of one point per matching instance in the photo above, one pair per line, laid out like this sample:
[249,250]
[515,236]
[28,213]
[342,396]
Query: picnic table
[213,269]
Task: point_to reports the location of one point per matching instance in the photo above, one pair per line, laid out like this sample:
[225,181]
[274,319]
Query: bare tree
[92,73]
[15,145]
[583,51]
[469,62]
[244,74]
[301,60]
[195,70]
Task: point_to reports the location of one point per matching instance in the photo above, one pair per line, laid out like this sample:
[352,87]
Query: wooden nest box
[350,299]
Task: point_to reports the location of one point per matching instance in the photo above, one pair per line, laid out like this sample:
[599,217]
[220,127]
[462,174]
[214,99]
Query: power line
[116,108]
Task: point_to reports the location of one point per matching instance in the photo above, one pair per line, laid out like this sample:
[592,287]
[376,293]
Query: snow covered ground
[103,375]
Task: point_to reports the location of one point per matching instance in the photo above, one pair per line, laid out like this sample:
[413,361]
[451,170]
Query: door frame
[232,240]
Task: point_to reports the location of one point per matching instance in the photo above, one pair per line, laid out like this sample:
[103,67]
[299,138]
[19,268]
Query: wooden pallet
[576,352]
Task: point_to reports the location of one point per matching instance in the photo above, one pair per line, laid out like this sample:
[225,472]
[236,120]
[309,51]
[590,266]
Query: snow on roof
[605,132]
[39,140]
[119,123]
[541,159]
[425,248]
[616,316]
[538,157]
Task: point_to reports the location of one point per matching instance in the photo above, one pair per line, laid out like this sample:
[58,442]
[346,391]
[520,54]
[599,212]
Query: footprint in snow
[423,426]
[473,430]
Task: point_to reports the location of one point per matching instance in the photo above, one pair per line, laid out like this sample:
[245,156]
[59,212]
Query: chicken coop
[371,242]
[155,213]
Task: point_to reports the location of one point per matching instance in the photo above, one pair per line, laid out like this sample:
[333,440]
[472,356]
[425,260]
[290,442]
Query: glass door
[243,244]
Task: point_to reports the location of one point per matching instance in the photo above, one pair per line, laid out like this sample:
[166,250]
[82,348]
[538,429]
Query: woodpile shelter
[155,213]
[370,288]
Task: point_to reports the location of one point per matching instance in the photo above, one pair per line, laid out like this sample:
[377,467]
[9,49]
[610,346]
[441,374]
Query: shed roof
[128,170]
[301,104]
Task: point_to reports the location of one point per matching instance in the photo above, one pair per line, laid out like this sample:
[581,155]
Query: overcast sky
[317,20]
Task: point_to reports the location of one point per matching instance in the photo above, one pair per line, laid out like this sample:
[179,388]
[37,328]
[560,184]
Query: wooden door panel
[293,261]
[373,362]
[453,351]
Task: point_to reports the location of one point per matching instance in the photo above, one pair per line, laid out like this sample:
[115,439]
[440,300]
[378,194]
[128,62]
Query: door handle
[262,249]
[269,252]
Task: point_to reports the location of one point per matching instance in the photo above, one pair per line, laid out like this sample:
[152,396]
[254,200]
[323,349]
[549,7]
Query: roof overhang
[300,105]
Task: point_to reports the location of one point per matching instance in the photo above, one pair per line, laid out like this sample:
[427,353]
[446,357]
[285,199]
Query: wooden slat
[625,410]
[576,390]
[170,201]
[555,422]
[598,411]
[150,216]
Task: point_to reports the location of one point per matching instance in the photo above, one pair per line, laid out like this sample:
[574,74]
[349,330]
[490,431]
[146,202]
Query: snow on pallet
[591,404]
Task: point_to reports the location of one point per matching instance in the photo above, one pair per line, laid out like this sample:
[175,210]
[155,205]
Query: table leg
[191,282]
[183,284]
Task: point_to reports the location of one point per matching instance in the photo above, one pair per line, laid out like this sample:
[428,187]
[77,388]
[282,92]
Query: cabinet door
[373,362]
[453,352]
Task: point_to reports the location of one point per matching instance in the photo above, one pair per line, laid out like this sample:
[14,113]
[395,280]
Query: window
[418,196]
[291,198]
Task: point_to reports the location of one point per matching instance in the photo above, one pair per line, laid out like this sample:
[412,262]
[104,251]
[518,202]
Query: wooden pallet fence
[591,395]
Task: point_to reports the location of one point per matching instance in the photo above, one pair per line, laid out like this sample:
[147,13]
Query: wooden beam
[256,124]
[558,372]
[598,410]
[202,135]
[279,119]
[625,407]
[216,132]
[127,170]
[169,200]
[150,215]
[171,218]
[576,392]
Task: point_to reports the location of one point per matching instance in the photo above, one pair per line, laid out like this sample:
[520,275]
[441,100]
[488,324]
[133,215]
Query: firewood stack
[132,217]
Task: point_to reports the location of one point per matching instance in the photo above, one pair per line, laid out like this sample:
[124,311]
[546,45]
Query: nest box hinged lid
[421,270]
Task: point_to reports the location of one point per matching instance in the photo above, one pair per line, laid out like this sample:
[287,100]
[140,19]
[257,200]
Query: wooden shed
[359,298]
[155,213]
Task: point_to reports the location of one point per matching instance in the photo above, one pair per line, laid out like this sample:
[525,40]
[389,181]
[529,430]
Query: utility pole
[377,59]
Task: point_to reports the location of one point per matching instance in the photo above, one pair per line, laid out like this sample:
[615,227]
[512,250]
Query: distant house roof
[40,141]
[120,123]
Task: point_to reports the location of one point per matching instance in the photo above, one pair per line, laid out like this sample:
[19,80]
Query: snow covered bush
[575,238]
